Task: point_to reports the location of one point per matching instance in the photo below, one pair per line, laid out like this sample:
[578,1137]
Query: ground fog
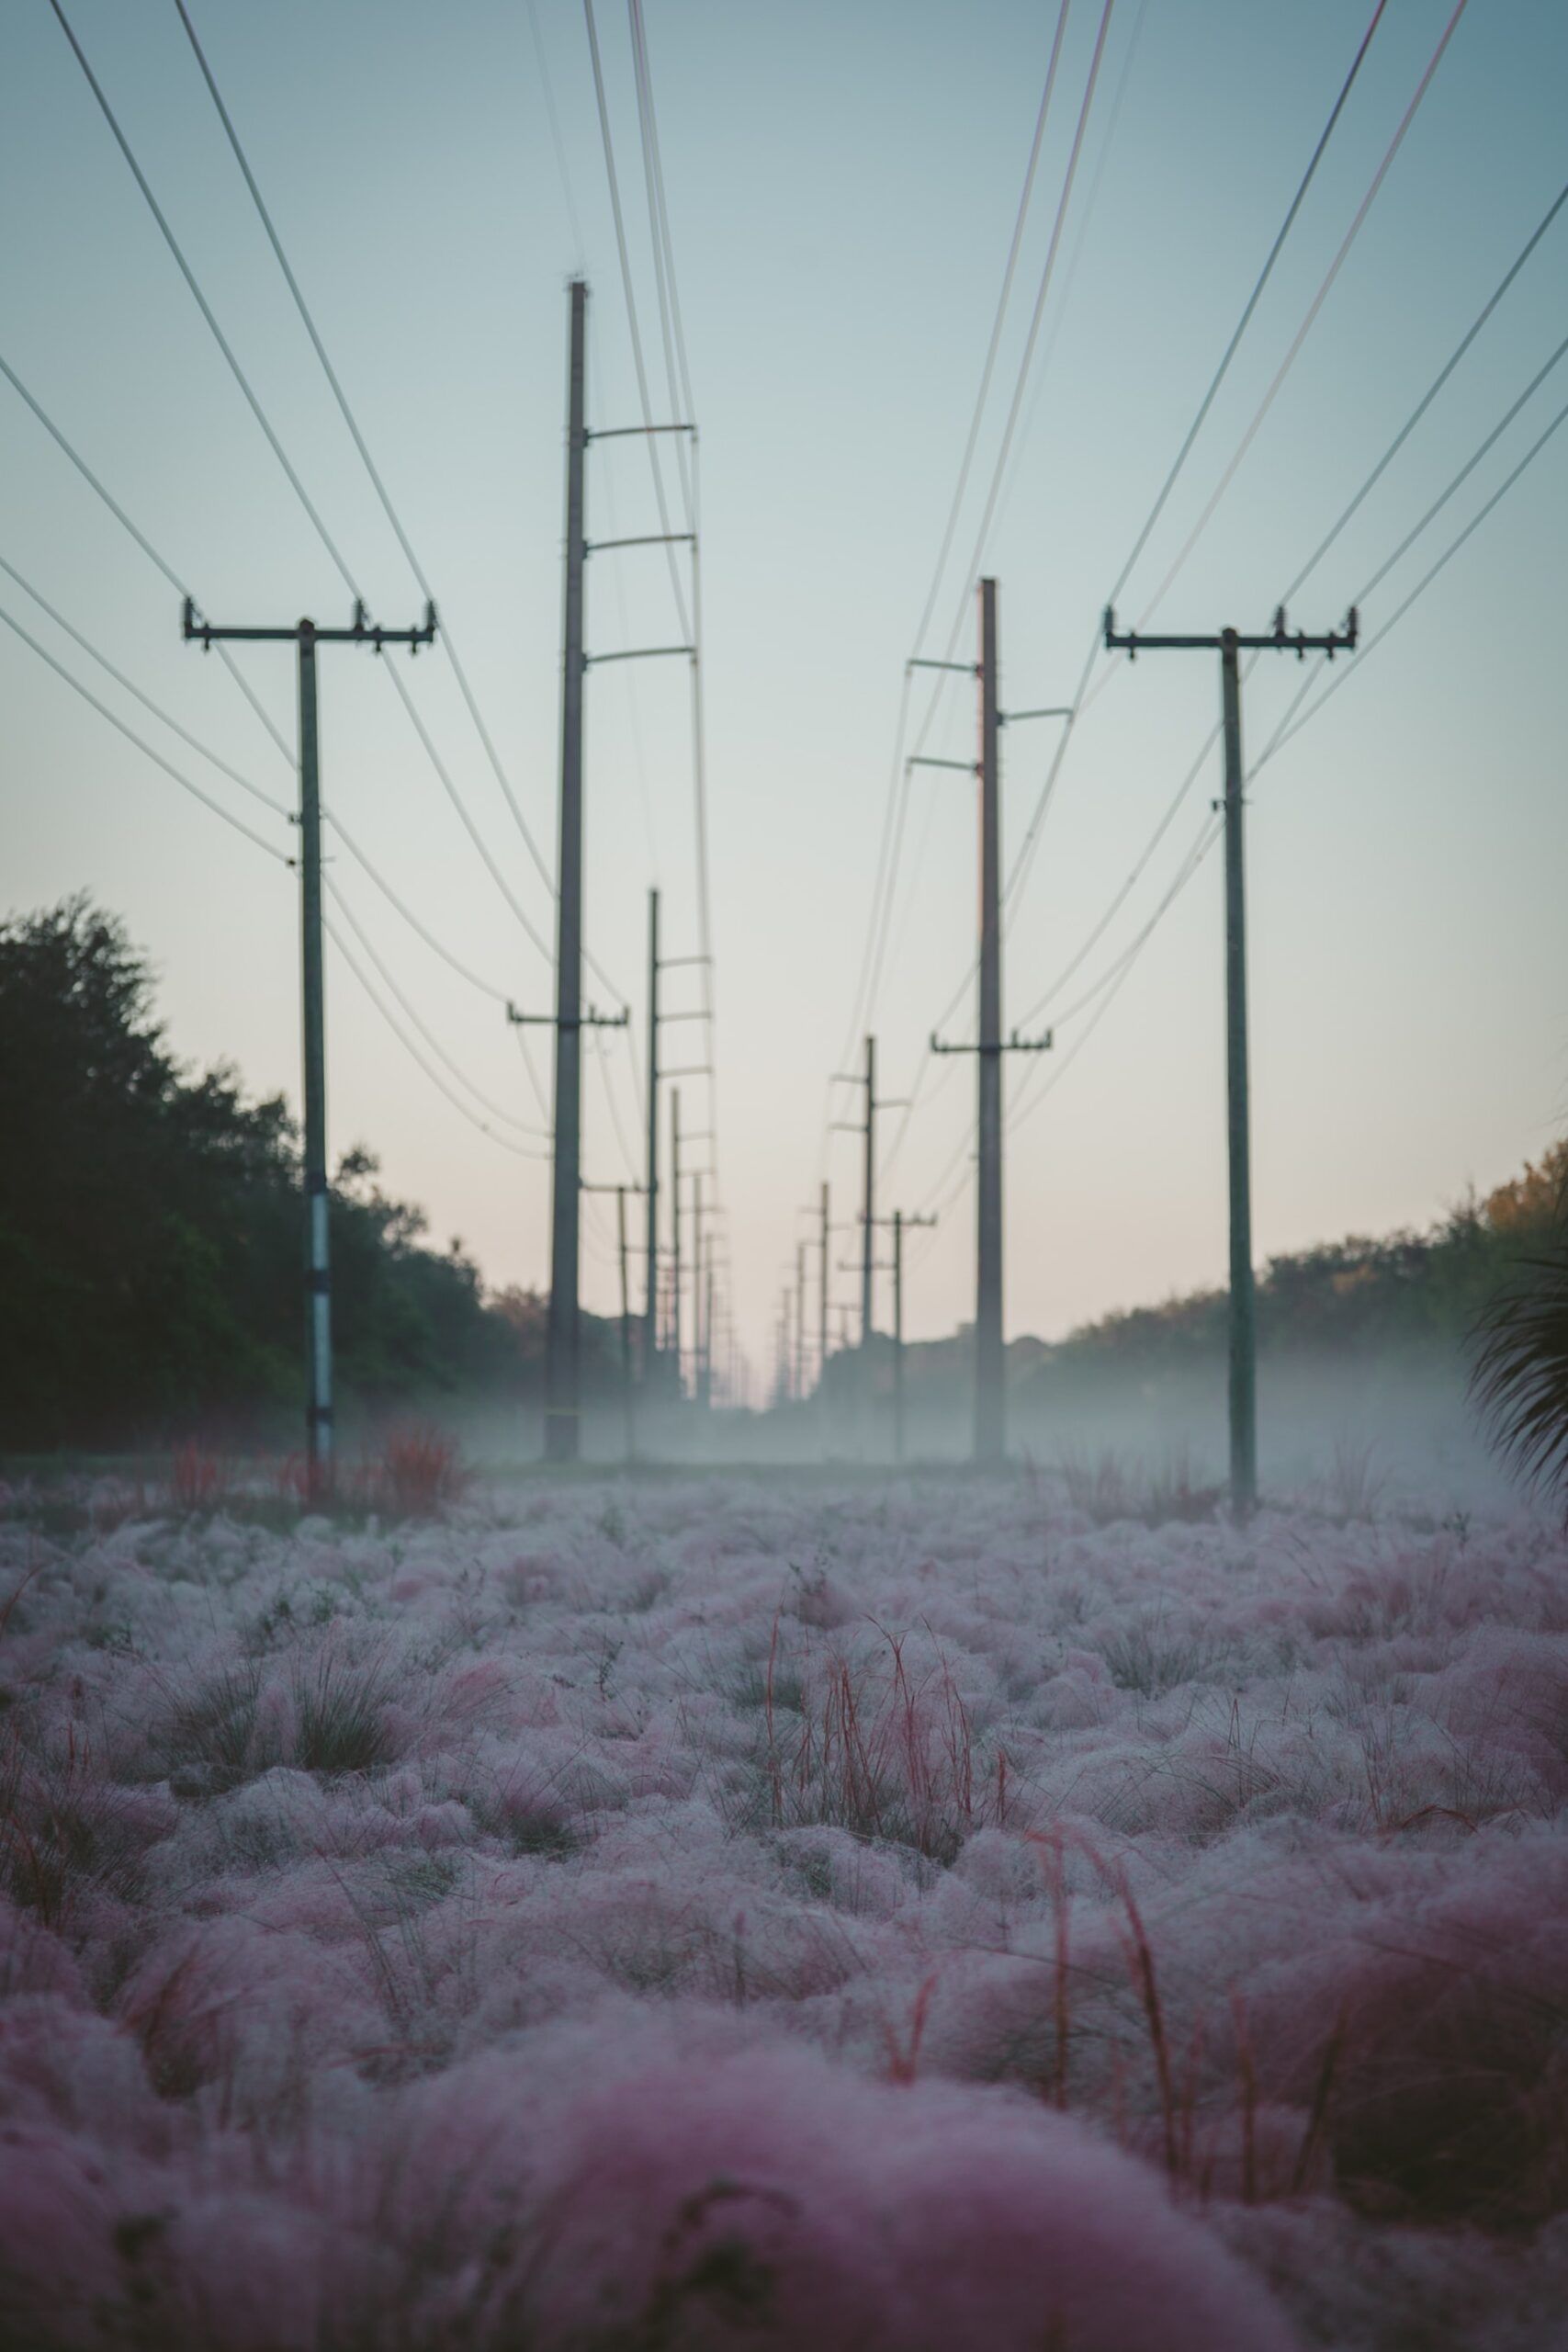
[881,1917]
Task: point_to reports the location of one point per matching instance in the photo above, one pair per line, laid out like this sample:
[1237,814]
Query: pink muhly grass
[418,1471]
[201,1479]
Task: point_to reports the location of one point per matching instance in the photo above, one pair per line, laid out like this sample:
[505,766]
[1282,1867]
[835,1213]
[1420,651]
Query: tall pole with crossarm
[306,636]
[990,1353]
[1230,645]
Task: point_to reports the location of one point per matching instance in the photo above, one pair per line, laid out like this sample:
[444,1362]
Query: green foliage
[149,1231]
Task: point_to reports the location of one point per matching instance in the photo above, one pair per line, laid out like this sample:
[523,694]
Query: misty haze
[783,1178]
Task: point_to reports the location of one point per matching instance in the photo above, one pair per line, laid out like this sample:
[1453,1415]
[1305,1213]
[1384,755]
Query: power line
[1283,733]
[1394,446]
[72,631]
[1207,402]
[409,1046]
[987,368]
[341,396]
[276,445]
[549,89]
[184,781]
[885,885]
[159,563]
[1430,394]
[1313,309]
[496,1110]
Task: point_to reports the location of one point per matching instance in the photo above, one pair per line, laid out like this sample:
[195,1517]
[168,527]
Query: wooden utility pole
[562,1331]
[1229,645]
[900,1224]
[822,1297]
[650,1179]
[866,1129]
[628,1389]
[562,1350]
[990,1350]
[306,636]
[675,1333]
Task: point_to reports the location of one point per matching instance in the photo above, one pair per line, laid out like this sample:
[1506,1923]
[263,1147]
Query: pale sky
[843,179]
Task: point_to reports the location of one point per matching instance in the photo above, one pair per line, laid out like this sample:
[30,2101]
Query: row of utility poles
[665,1339]
[563,1381]
[990,1046]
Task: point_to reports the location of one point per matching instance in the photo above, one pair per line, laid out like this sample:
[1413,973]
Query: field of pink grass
[713,1912]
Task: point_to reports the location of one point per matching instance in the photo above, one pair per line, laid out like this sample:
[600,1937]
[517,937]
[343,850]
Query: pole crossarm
[589,1019]
[363,631]
[1280,639]
[638,653]
[1229,644]
[673,963]
[689,1070]
[623,432]
[1015,717]
[1013,1045]
[647,539]
[584,1186]
[923,759]
[905,1220]
[965,669]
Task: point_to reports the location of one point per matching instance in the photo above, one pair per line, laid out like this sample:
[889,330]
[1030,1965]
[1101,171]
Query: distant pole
[306,637]
[562,1352]
[651,1306]
[627,1392]
[990,1395]
[990,1350]
[707,1340]
[800,1319]
[1229,644]
[317,1267]
[675,1335]
[900,1224]
[868,1194]
[822,1297]
[697,1285]
[899,1335]
[1244,1300]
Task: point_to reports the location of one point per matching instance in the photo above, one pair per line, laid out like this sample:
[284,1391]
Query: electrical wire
[159,563]
[496,1110]
[272,439]
[72,631]
[1313,306]
[1430,394]
[1285,730]
[505,1142]
[1249,307]
[184,781]
[341,396]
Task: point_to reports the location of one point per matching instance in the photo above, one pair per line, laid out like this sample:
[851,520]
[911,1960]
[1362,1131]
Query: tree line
[151,1233]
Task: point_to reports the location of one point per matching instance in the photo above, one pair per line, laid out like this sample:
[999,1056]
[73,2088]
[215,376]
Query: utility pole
[650,1225]
[562,1332]
[306,637]
[562,1366]
[822,1297]
[1229,644]
[800,1319]
[697,1285]
[901,1224]
[675,1239]
[866,1129]
[624,1254]
[626,1389]
[990,1354]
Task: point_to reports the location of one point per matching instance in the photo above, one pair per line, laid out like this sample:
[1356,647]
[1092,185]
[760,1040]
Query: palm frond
[1520,1375]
